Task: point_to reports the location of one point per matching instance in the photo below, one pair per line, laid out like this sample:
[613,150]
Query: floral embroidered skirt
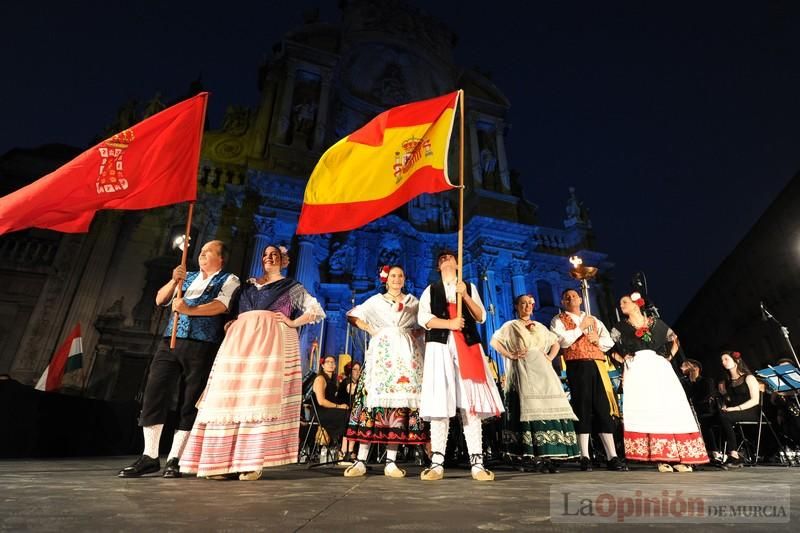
[659,424]
[384,425]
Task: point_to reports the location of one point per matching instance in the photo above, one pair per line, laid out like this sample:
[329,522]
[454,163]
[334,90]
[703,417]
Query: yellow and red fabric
[150,164]
[395,157]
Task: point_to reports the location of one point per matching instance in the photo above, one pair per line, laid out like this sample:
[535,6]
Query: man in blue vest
[206,296]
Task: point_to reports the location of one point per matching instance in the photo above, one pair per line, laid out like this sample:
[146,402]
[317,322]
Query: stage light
[177,242]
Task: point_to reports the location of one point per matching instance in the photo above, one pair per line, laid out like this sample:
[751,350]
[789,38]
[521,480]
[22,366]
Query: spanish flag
[395,157]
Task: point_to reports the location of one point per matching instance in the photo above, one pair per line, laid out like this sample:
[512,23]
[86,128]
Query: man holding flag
[206,298]
[456,376]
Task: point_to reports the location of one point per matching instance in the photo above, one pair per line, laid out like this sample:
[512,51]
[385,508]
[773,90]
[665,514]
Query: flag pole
[179,290]
[187,234]
[460,198]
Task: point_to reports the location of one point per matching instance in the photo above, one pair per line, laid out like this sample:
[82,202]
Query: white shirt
[567,337]
[199,285]
[424,314]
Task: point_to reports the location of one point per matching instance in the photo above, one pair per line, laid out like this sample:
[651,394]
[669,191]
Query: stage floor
[86,495]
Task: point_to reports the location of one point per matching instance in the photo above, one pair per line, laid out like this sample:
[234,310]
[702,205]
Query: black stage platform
[85,495]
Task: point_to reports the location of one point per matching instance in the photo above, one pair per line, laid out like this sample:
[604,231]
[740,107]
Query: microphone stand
[784,331]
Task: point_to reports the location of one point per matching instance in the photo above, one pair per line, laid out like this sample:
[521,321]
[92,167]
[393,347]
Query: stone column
[322,111]
[286,102]
[475,150]
[502,160]
[265,230]
[263,118]
[517,269]
[307,271]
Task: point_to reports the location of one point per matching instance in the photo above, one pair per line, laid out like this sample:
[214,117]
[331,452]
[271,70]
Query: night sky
[678,123]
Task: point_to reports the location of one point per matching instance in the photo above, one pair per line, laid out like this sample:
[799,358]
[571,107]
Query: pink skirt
[249,414]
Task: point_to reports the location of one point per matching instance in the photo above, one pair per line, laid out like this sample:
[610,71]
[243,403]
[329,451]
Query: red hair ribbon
[383,273]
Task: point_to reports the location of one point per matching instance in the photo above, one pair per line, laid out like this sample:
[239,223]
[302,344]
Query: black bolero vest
[439,309]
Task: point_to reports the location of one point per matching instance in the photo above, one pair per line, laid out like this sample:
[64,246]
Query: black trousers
[728,418]
[188,364]
[588,397]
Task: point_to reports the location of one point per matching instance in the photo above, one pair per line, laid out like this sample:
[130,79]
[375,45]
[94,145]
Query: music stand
[782,378]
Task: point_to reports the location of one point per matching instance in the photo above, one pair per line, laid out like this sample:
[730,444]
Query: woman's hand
[342,406]
[280,317]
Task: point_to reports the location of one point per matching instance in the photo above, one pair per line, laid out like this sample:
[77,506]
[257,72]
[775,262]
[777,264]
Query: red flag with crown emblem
[150,164]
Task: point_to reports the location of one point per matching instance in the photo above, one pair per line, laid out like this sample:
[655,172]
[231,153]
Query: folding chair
[762,421]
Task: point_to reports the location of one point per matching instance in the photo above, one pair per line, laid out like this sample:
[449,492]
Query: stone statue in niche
[391,250]
[304,115]
[236,119]
[488,161]
[447,217]
[341,258]
[390,88]
[576,212]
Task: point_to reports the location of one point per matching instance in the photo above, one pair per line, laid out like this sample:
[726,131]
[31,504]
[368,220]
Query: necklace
[638,323]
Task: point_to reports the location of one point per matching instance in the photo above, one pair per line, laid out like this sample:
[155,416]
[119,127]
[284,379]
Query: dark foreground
[86,495]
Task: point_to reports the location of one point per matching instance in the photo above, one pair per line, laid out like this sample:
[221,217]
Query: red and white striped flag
[69,356]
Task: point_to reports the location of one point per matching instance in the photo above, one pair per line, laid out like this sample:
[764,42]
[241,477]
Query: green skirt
[549,438]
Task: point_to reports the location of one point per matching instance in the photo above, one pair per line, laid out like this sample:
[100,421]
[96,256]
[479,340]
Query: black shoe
[143,465]
[617,464]
[172,469]
[549,466]
[734,462]
[586,464]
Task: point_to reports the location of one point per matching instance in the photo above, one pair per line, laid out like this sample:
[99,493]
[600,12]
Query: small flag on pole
[69,356]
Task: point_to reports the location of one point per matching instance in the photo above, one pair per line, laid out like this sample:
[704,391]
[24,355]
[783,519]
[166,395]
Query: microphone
[764,313]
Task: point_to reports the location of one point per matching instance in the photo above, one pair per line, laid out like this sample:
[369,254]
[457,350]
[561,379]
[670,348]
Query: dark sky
[676,121]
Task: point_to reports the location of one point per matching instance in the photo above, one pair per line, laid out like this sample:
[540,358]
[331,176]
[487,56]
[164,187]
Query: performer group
[237,360]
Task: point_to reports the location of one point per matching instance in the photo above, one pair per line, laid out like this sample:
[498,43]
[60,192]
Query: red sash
[470,358]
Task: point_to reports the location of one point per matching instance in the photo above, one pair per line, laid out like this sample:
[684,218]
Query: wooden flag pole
[187,236]
[460,199]
[179,291]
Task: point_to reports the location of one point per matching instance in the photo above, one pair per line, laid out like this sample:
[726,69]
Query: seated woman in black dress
[740,394]
[332,415]
[347,388]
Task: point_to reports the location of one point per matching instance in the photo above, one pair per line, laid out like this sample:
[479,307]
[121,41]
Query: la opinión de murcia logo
[414,149]
[111,174]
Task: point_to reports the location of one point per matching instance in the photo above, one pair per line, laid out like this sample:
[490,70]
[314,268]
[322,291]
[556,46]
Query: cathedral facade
[322,82]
